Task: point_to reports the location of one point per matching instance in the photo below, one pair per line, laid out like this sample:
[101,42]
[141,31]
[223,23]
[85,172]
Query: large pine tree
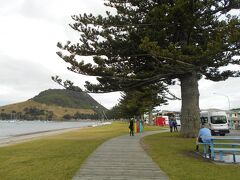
[147,41]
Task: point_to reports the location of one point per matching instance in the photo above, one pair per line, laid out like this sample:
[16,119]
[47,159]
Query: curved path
[121,158]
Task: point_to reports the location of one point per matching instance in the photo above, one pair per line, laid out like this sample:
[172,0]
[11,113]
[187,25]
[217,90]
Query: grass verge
[56,157]
[175,156]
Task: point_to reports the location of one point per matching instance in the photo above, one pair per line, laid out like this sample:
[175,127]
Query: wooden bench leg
[204,150]
[234,157]
[221,155]
[212,152]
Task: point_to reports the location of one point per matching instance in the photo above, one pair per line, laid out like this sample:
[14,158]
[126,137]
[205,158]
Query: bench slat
[227,149]
[230,144]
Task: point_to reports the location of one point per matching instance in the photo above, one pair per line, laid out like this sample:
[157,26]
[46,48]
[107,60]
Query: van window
[218,119]
[204,120]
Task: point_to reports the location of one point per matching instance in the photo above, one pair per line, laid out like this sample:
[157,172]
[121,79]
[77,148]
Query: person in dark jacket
[131,127]
[170,123]
[175,124]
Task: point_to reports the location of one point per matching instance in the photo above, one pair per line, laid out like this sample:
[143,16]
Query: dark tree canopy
[150,41]
[144,99]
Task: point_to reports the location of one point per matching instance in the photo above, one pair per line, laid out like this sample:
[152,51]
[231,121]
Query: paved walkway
[121,158]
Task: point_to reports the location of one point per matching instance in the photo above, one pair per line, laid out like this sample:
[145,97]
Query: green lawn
[176,157]
[56,157]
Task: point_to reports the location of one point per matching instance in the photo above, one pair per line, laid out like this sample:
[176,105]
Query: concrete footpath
[121,158]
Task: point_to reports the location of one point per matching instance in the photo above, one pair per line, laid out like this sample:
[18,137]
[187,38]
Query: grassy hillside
[55,104]
[67,98]
[58,111]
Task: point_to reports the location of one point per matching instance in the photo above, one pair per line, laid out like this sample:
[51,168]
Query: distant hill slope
[21,109]
[67,98]
[54,104]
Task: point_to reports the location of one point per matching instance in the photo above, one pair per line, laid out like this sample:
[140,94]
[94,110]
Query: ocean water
[13,128]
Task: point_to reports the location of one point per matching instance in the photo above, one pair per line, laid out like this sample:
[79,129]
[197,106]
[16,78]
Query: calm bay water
[16,128]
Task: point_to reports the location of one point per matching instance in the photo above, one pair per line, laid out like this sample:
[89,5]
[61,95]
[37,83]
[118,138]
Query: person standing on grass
[204,136]
[131,127]
[171,124]
[175,124]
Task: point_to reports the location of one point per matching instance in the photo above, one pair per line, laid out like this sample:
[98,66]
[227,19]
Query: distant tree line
[31,113]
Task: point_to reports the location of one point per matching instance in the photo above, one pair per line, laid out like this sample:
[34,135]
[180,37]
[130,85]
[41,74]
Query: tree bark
[190,113]
[150,116]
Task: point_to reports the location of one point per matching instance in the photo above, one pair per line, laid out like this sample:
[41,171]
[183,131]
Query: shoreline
[11,140]
[35,135]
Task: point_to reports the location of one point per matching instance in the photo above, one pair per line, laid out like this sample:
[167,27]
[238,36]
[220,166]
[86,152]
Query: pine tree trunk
[150,117]
[190,113]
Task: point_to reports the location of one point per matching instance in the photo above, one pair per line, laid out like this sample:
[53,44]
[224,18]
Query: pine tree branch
[233,4]
[174,97]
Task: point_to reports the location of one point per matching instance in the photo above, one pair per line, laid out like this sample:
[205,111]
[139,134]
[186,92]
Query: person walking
[141,126]
[131,127]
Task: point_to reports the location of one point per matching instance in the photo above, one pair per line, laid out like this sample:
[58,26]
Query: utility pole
[229,109]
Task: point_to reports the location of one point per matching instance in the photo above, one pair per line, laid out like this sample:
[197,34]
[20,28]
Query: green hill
[67,98]
[55,104]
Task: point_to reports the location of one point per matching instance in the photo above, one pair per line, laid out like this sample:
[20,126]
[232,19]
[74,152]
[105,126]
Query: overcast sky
[30,30]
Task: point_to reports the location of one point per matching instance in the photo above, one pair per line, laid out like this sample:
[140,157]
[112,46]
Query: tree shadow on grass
[195,155]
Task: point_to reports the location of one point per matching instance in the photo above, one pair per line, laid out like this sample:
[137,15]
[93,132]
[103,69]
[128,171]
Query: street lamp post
[102,113]
[230,114]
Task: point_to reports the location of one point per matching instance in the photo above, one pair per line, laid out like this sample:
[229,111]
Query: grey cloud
[216,94]
[20,72]
[33,8]
[5,5]
[56,11]
[39,10]
[22,79]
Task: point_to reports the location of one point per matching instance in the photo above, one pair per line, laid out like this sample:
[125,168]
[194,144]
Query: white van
[217,121]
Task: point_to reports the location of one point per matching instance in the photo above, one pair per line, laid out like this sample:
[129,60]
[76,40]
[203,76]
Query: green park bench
[217,145]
